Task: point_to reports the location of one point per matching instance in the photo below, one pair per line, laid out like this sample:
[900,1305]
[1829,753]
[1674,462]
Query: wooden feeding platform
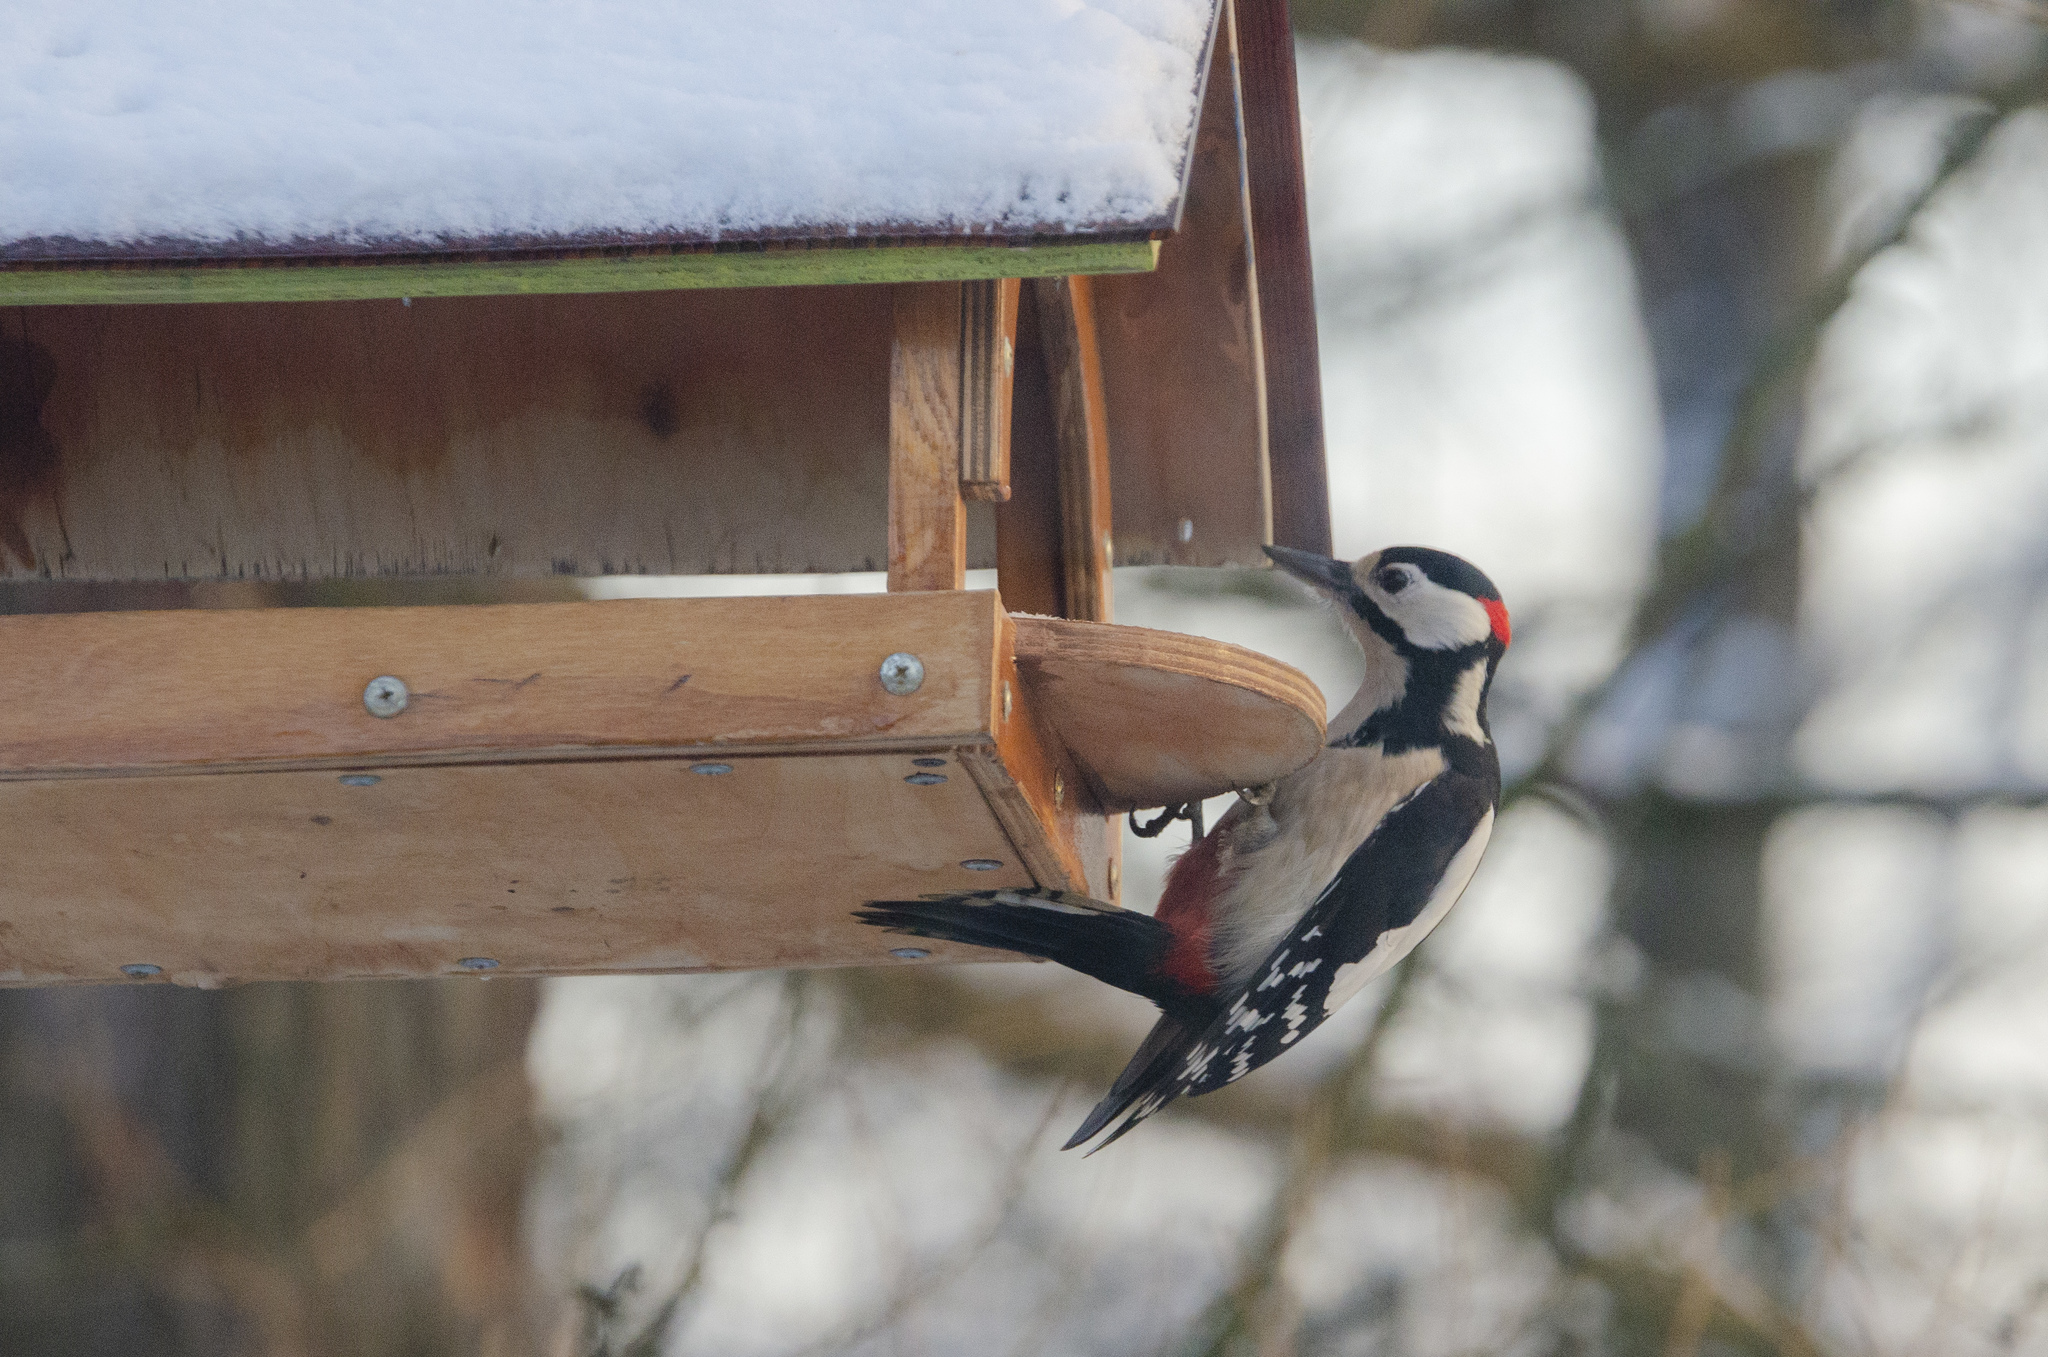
[206,796]
[640,785]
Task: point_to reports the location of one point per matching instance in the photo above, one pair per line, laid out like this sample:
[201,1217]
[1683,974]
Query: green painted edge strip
[295,282]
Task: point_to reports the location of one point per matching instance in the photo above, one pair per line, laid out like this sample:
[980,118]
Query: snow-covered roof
[174,128]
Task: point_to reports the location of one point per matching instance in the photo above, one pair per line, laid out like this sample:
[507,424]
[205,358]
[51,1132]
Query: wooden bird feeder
[205,796]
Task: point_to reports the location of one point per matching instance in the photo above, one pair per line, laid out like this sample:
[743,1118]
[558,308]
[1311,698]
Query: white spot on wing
[1296,1015]
[1243,1017]
[1274,974]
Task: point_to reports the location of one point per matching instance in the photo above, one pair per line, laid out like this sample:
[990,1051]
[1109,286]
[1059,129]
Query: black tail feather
[1116,946]
[1153,1065]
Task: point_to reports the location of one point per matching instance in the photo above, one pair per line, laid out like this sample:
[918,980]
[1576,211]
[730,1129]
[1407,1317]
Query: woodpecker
[1306,889]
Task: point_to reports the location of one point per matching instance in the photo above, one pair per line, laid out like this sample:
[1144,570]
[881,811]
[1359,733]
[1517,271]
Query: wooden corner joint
[1031,782]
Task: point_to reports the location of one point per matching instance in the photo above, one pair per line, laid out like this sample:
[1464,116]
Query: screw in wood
[141,970]
[925,779]
[478,963]
[1187,530]
[1059,791]
[386,696]
[909,953]
[711,769]
[360,779]
[902,673]
[1006,699]
[982,865]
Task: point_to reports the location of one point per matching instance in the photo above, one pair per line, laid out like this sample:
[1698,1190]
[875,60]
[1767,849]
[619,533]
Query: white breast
[1320,814]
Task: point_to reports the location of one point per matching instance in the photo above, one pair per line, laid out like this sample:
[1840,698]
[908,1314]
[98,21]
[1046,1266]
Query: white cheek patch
[1396,943]
[1436,618]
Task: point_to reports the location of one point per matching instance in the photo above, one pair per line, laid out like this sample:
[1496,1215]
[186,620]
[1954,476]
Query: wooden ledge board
[544,869]
[1155,718]
[301,281]
[217,691]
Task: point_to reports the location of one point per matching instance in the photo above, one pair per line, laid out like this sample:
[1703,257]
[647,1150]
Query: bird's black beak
[1320,572]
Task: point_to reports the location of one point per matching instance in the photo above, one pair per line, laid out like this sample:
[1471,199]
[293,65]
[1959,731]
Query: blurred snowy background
[1716,331]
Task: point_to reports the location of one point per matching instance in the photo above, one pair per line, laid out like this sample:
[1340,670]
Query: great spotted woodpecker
[1304,890]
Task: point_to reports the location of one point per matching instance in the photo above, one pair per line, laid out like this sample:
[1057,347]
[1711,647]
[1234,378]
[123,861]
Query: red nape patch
[1498,611]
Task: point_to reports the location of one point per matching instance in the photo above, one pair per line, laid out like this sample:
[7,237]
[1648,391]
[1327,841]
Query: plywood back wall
[671,433]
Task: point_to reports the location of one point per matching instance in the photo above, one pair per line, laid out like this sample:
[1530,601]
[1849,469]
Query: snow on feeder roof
[232,129]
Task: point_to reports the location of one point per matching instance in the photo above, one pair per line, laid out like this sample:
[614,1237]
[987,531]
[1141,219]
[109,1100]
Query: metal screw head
[902,673]
[982,865]
[478,963]
[909,953]
[386,696]
[711,769]
[928,763]
[360,779]
[141,970]
[1059,790]
[1187,530]
[1006,699]
[925,779]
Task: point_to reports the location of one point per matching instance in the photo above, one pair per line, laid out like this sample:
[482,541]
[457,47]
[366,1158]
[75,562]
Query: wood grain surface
[211,690]
[988,360]
[1073,365]
[543,868]
[664,433]
[927,516]
[1155,718]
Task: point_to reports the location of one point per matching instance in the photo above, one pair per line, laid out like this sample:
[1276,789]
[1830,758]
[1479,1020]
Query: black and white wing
[1394,888]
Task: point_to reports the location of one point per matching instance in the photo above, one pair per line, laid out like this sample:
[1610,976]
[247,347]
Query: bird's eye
[1392,580]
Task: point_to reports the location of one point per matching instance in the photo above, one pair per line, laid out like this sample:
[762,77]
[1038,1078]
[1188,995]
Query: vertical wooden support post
[1263,35]
[988,340]
[1073,363]
[1073,378]
[927,519]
